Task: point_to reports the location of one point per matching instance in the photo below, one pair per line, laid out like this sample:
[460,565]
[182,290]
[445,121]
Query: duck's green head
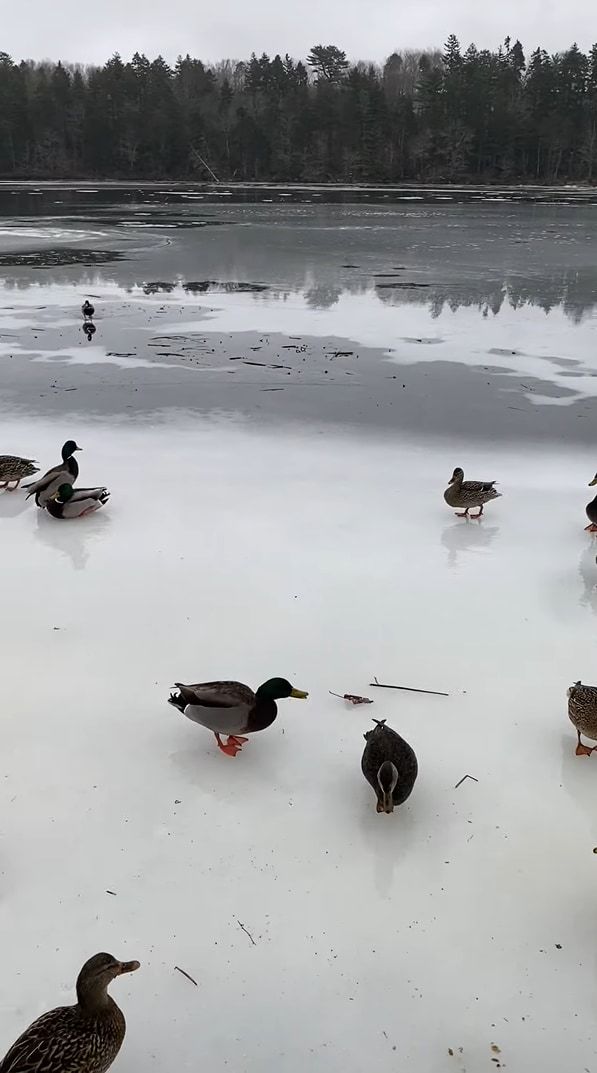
[387,779]
[69,449]
[278,688]
[64,493]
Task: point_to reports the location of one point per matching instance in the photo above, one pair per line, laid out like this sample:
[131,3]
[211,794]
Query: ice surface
[465,920]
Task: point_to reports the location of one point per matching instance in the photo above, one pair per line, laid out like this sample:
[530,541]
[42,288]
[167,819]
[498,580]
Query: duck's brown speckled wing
[63,1041]
[478,486]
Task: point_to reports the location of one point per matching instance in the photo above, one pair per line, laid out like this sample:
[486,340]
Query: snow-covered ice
[463,921]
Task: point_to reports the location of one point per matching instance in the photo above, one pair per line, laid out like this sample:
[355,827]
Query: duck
[66,472]
[591,510]
[582,712]
[232,708]
[69,502]
[390,766]
[467,494]
[84,1038]
[87,309]
[16,469]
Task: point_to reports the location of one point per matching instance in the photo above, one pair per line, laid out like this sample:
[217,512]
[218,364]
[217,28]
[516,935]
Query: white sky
[366,29]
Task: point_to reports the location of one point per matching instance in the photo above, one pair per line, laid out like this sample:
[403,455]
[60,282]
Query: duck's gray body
[222,707]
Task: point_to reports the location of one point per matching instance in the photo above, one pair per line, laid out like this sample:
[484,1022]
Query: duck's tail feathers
[176,700]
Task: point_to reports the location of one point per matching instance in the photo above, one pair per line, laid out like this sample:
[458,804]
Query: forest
[472,116]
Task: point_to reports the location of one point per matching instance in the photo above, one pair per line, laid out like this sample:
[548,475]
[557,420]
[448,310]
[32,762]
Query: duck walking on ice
[467,494]
[87,309]
[582,712]
[14,469]
[232,708]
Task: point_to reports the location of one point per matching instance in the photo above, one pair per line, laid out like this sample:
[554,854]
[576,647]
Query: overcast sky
[366,29]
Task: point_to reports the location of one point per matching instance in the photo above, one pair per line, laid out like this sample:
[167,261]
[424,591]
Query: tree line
[458,116]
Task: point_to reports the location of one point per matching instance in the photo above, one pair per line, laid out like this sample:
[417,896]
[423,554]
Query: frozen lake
[289,520]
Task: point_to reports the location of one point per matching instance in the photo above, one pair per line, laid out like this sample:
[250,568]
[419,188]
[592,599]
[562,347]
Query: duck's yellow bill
[299,694]
[593,482]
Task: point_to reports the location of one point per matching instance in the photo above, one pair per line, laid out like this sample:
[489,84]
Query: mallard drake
[591,510]
[582,712]
[87,309]
[14,469]
[66,472]
[467,494]
[84,1038]
[69,502]
[389,764]
[232,708]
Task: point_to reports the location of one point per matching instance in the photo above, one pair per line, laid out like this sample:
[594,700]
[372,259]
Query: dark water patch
[158,287]
[57,258]
[227,287]
[403,286]
[428,341]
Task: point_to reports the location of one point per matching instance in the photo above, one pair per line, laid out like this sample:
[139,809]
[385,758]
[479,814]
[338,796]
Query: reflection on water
[466,536]
[506,288]
[74,539]
[439,256]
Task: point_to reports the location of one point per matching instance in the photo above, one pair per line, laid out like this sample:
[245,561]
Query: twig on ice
[112,892]
[408,689]
[242,928]
[178,969]
[463,778]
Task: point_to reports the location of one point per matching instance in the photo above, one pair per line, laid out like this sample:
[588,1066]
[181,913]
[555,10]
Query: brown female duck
[84,1038]
[14,469]
[467,494]
[582,712]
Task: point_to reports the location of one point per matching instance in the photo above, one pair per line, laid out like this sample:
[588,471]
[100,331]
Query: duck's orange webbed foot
[232,746]
[591,528]
[584,750]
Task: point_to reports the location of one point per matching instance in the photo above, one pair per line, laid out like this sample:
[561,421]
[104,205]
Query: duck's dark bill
[299,694]
[129,966]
